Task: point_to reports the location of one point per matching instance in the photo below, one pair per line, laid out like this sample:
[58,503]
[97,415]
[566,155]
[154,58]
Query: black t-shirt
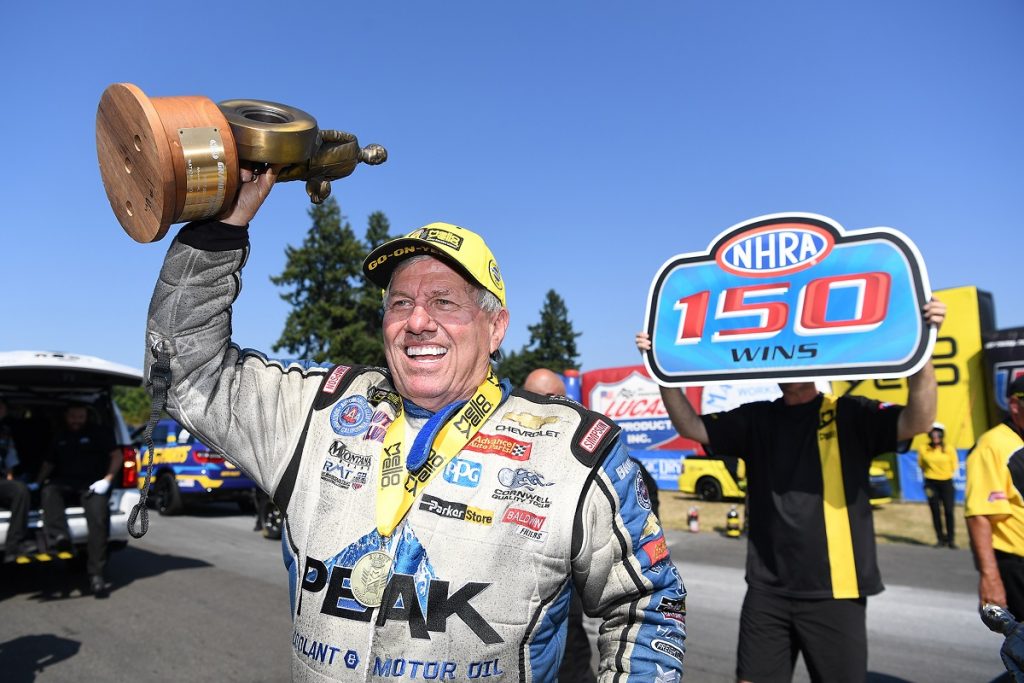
[788,552]
[83,455]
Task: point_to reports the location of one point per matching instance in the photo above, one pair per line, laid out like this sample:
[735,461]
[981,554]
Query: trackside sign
[790,297]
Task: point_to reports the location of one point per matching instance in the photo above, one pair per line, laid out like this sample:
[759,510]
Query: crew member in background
[14,494]
[79,470]
[811,560]
[938,463]
[994,507]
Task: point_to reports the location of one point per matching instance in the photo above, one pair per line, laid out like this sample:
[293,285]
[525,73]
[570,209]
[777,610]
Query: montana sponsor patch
[500,445]
[350,416]
[334,379]
[451,510]
[996,495]
[345,469]
[524,518]
[594,436]
[656,550]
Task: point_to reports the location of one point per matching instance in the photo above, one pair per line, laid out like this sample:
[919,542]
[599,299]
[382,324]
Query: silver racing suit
[542,502]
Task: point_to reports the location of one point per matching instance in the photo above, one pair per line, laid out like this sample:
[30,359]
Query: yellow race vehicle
[714,478]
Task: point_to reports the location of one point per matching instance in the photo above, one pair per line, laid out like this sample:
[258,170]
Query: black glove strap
[160,379]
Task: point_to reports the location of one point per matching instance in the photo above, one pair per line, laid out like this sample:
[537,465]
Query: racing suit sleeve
[624,575]
[251,409]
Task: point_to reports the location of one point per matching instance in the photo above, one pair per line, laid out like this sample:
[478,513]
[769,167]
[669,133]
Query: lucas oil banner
[630,397]
[790,297]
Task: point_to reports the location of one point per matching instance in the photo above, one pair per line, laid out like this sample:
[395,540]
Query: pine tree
[552,343]
[552,340]
[332,318]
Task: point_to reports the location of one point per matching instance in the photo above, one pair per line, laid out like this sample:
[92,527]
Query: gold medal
[370,578]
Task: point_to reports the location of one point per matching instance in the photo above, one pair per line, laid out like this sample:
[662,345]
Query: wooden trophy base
[163,160]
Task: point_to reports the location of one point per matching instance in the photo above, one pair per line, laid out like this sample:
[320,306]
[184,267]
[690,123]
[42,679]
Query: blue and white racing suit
[541,502]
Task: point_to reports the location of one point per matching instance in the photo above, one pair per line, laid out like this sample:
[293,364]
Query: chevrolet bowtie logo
[529,421]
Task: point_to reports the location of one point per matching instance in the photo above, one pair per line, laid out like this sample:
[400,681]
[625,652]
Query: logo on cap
[441,236]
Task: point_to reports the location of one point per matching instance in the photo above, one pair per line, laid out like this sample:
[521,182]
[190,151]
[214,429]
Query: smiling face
[437,339]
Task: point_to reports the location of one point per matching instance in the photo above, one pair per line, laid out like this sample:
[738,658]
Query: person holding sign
[438,521]
[811,560]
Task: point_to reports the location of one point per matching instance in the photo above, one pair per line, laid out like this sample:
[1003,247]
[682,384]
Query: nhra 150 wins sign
[790,297]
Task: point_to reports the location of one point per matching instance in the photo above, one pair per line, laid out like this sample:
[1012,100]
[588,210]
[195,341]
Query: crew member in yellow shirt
[995,509]
[938,463]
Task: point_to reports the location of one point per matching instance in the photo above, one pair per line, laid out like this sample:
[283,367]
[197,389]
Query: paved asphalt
[204,598]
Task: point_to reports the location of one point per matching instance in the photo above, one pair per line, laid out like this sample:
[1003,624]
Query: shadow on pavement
[58,580]
[25,656]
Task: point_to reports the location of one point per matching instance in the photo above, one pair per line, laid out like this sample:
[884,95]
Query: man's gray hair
[485,299]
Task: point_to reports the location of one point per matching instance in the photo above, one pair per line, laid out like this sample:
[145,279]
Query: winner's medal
[370,578]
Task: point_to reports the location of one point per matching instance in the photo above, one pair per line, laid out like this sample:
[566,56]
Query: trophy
[168,160]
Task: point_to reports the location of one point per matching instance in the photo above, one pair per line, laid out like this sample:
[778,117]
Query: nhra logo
[521,478]
[500,445]
[462,472]
[776,249]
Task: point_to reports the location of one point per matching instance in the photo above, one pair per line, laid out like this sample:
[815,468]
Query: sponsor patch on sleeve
[996,495]
[594,436]
[656,550]
[334,379]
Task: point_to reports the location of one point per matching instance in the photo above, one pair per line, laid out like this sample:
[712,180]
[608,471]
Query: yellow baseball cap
[463,249]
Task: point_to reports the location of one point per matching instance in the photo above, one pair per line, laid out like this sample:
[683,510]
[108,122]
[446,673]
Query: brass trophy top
[175,159]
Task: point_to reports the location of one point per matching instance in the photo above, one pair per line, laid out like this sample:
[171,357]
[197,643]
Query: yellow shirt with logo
[990,489]
[937,462]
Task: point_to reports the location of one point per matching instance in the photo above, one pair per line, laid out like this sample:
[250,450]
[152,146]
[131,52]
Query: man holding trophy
[438,521]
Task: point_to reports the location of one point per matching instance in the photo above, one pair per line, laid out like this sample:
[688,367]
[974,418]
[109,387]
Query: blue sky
[588,142]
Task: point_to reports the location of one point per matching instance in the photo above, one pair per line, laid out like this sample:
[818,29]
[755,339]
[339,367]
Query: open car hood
[39,369]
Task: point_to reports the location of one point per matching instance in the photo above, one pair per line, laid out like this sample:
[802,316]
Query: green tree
[332,318]
[552,343]
[134,404]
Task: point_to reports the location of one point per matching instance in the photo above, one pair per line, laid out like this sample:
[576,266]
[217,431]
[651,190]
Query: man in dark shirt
[811,560]
[79,470]
[14,494]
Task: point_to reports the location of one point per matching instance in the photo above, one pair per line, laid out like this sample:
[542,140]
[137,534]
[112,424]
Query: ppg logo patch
[463,472]
[351,416]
